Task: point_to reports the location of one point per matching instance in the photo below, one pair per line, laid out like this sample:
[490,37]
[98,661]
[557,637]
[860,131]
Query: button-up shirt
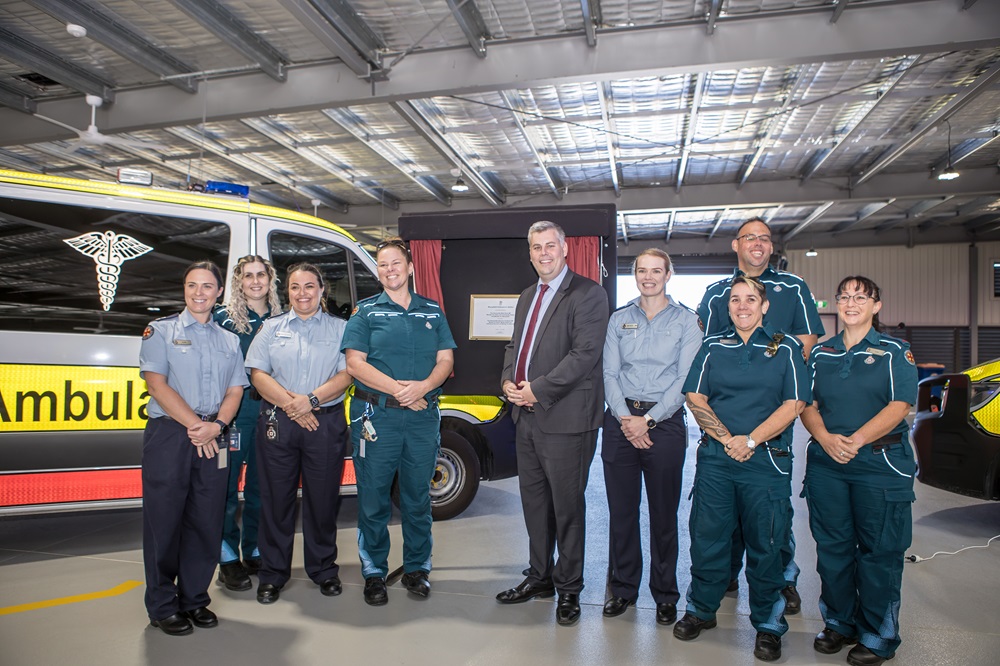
[792,309]
[851,386]
[200,361]
[648,360]
[550,293]
[300,354]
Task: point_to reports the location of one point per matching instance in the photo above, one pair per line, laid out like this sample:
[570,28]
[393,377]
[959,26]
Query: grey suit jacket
[565,370]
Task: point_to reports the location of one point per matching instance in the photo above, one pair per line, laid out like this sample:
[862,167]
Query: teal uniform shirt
[746,383]
[648,360]
[200,361]
[851,386]
[222,318]
[791,310]
[401,343]
[300,354]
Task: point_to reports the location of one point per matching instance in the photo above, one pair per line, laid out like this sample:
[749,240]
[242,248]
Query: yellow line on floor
[62,601]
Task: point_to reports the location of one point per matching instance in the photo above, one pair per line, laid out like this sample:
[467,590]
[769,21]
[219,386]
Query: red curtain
[427,269]
[584,256]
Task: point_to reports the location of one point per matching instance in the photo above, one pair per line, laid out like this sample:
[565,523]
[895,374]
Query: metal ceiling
[830,118]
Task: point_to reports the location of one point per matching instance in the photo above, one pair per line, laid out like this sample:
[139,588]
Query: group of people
[209,426]
[747,364]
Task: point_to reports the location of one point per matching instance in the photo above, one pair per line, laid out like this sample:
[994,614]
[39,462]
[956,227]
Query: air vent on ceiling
[36,79]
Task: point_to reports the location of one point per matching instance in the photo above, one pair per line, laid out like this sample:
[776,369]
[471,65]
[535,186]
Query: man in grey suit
[553,376]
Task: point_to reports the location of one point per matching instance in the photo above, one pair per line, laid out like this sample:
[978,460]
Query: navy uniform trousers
[860,516]
[184,498]
[246,421]
[625,468]
[317,458]
[755,495]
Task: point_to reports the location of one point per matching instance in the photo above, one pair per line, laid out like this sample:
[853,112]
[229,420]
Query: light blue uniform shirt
[300,354]
[200,361]
[550,293]
[649,360]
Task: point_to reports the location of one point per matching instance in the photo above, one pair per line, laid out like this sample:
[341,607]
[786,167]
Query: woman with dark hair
[749,379]
[859,476]
[253,297]
[296,365]
[399,351]
[195,378]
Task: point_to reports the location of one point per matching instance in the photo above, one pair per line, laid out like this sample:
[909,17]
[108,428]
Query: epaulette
[164,318]
[623,307]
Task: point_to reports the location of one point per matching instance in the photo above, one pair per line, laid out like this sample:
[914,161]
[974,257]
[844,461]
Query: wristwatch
[650,423]
[750,443]
[222,426]
[313,401]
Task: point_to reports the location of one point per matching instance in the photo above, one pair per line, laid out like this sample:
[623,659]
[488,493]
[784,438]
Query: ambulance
[85,265]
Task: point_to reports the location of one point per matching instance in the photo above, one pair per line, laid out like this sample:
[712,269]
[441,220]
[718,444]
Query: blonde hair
[237,307]
[653,252]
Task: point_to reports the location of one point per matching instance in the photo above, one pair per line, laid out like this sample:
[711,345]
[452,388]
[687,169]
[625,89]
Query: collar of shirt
[837,341]
[416,300]
[315,316]
[768,272]
[187,319]
[557,281]
[671,303]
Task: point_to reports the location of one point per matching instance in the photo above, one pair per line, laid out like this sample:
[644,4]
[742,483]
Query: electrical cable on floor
[917,558]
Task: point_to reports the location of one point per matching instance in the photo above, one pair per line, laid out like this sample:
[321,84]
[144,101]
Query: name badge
[877,352]
[182,342]
[729,342]
[630,326]
[283,334]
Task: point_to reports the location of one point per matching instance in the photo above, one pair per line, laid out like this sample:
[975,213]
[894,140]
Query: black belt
[530,409]
[883,443]
[382,400]
[265,406]
[639,404]
[203,417]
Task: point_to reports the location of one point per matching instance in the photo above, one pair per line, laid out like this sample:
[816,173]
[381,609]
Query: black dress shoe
[568,609]
[793,602]
[252,565]
[862,656]
[829,641]
[175,625]
[202,618]
[234,576]
[615,606]
[526,591]
[690,627]
[331,587]
[267,593]
[375,592]
[417,583]
[734,585]
[666,613]
[767,647]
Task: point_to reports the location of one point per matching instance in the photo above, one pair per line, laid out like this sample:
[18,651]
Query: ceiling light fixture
[949,173]
[459,185]
[75,30]
[811,252]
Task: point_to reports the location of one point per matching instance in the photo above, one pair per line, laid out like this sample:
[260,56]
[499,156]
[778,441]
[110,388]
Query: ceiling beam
[670,226]
[963,213]
[222,23]
[775,123]
[341,172]
[961,151]
[591,10]
[349,122]
[853,125]
[624,229]
[815,215]
[472,24]
[838,9]
[15,99]
[714,9]
[33,58]
[426,129]
[956,104]
[914,212]
[104,27]
[515,112]
[884,30]
[200,139]
[609,137]
[718,222]
[341,29]
[689,130]
[867,211]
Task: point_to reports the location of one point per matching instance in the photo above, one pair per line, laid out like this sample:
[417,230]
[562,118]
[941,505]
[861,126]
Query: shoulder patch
[355,310]
[909,357]
[701,325]
[148,333]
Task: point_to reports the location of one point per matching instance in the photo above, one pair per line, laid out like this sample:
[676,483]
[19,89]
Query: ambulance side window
[75,269]
[289,249]
[365,281]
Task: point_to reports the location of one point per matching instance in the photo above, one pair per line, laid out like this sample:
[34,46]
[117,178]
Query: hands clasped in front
[841,449]
[205,436]
[636,431]
[519,394]
[737,449]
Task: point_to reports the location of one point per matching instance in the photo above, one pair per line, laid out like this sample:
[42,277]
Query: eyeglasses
[393,242]
[860,298]
[750,238]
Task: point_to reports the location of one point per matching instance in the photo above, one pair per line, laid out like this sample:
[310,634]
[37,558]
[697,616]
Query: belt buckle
[878,448]
[637,404]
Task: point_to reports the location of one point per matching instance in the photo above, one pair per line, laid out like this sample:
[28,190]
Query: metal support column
[973,306]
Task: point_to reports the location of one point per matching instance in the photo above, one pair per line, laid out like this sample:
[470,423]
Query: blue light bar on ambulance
[135,177]
[219,187]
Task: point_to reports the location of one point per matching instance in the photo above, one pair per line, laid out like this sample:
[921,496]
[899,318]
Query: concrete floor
[948,617]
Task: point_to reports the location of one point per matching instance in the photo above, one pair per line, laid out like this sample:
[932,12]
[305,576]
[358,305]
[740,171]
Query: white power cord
[917,558]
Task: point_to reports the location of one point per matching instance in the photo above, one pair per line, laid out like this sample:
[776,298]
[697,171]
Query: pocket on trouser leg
[897,523]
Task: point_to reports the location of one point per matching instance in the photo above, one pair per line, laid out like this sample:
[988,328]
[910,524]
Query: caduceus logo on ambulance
[109,251]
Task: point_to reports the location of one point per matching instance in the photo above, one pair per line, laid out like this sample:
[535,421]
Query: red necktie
[522,358]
